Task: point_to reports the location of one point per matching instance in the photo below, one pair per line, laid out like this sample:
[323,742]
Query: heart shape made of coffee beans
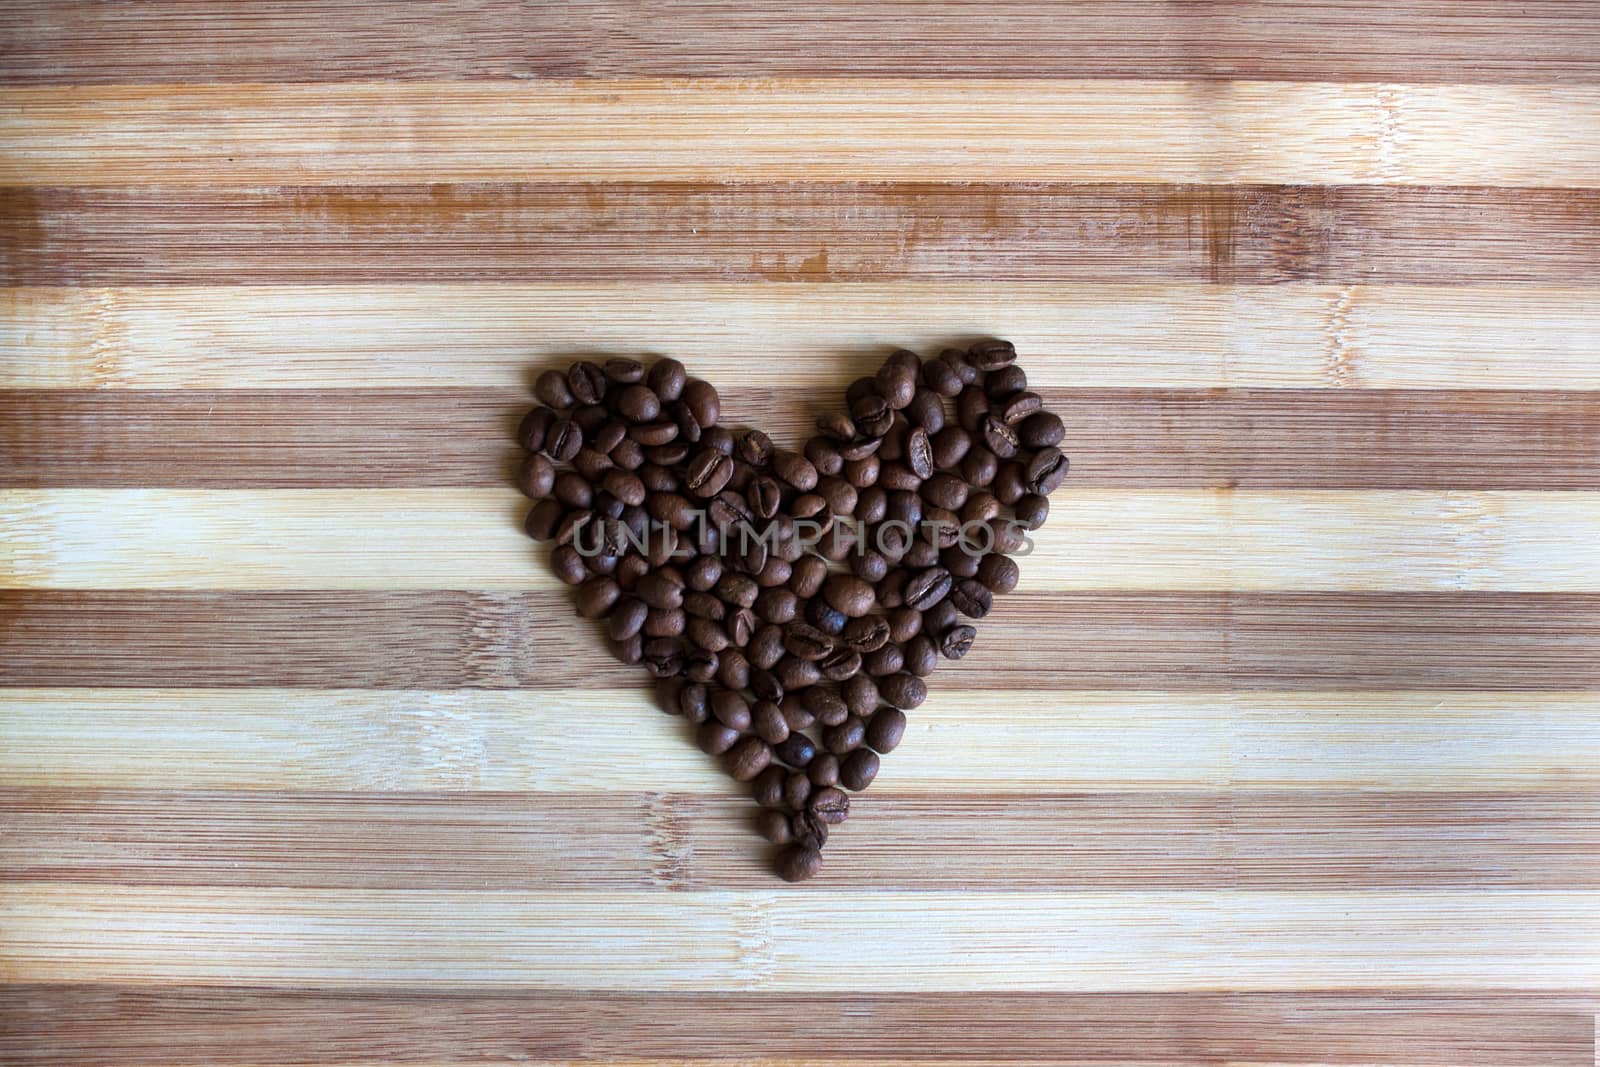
[790,604]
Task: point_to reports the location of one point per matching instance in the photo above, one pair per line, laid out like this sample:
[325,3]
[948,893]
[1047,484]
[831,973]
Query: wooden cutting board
[1286,751]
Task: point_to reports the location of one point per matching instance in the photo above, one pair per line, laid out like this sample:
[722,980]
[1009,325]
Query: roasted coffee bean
[867,634]
[610,436]
[972,598]
[920,554]
[596,597]
[535,427]
[587,382]
[707,634]
[719,438]
[1020,406]
[639,403]
[807,642]
[624,486]
[959,561]
[537,476]
[873,415]
[748,758]
[796,790]
[945,491]
[590,418]
[568,565]
[949,446]
[773,824]
[919,453]
[662,589]
[766,718]
[652,434]
[971,407]
[694,703]
[767,789]
[926,411]
[940,617]
[1002,384]
[872,504]
[845,737]
[714,738]
[1008,483]
[733,668]
[764,685]
[860,448]
[841,664]
[927,588]
[941,377]
[765,650]
[824,456]
[838,495]
[564,440]
[896,385]
[707,473]
[826,704]
[797,750]
[1045,471]
[777,605]
[704,606]
[629,651]
[826,617]
[663,657]
[797,673]
[731,709]
[1031,510]
[571,522]
[667,377]
[981,506]
[885,729]
[860,695]
[794,469]
[591,464]
[903,624]
[997,437]
[551,388]
[739,590]
[665,624]
[887,660]
[668,455]
[669,692]
[624,371]
[921,655]
[861,473]
[700,665]
[754,448]
[999,573]
[658,481]
[823,770]
[1040,430]
[765,496]
[703,402]
[830,804]
[905,691]
[802,860]
[741,626]
[681,417]
[991,355]
[898,476]
[849,595]
[858,769]
[776,573]
[957,641]
[626,618]
[836,426]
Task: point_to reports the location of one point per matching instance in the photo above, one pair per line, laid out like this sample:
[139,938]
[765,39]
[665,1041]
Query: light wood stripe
[1128,941]
[190,1024]
[455,640]
[1126,438]
[617,232]
[1080,335]
[79,43]
[964,740]
[1097,539]
[981,842]
[885,129]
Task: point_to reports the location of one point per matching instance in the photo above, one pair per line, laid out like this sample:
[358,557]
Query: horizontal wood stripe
[83,43]
[1080,335]
[1155,640]
[1124,438]
[592,230]
[1236,839]
[816,129]
[772,940]
[1157,539]
[963,741]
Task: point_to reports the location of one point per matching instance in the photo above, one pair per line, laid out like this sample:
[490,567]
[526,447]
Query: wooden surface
[1286,751]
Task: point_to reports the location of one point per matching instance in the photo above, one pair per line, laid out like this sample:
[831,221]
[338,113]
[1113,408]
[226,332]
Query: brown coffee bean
[1045,471]
[904,623]
[731,709]
[999,573]
[927,588]
[714,738]
[672,623]
[971,598]
[733,669]
[807,642]
[885,729]
[591,464]
[587,382]
[534,428]
[610,436]
[707,473]
[840,664]
[774,825]
[971,407]
[694,703]
[700,665]
[624,371]
[765,650]
[945,491]
[624,486]
[860,695]
[796,790]
[824,456]
[1040,430]
[626,618]
[630,651]
[662,657]
[767,789]
[981,506]
[596,597]
[747,758]
[872,504]
[706,634]
[769,724]
[941,377]
[1002,384]
[861,473]
[940,617]
[797,673]
[991,355]
[703,573]
[754,448]
[703,606]
[926,411]
[949,446]
[919,453]
[551,388]
[836,426]
[799,862]
[826,704]
[903,690]
[845,737]
[896,385]
[537,476]
[571,522]
[957,641]
[921,655]
[703,402]
[858,769]
[653,434]
[1008,483]
[959,562]
[830,804]
[997,437]
[849,595]
[639,403]
[777,605]
[794,469]
[568,565]
[823,770]
[667,377]
[797,750]
[662,589]
[887,660]
[872,414]
[1019,407]
[564,441]
[860,448]
[866,634]
[680,415]
[1032,510]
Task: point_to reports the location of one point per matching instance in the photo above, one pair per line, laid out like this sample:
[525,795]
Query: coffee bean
[999,573]
[926,411]
[707,473]
[959,562]
[733,669]
[794,469]
[927,588]
[903,623]
[587,382]
[803,859]
[777,605]
[860,695]
[919,453]
[940,617]
[1000,385]
[681,416]
[896,385]
[824,456]
[738,590]
[767,789]
[714,738]
[1045,472]
[807,642]
[666,624]
[1032,510]
[569,525]
[997,437]
[630,651]
[981,506]
[991,355]
[694,703]
[796,790]
[830,804]
[941,377]
[866,634]
[663,657]
[872,414]
[949,446]
[858,769]
[706,634]
[624,371]
[872,504]
[1008,487]
[887,660]
[766,648]
[1040,430]
[860,448]
[971,407]
[860,474]
[639,403]
[667,377]
[797,750]
[537,476]
[797,673]
[905,691]
[653,434]
[626,618]
[774,825]
[885,729]
[971,598]
[826,704]
[748,758]
[564,440]
[731,709]
[945,491]
[849,595]
[823,770]
[552,390]
[610,436]
[568,565]
[624,486]
[596,597]
[921,655]
[703,402]
[840,664]
[1020,407]
[845,737]
[957,641]
[535,427]
[700,665]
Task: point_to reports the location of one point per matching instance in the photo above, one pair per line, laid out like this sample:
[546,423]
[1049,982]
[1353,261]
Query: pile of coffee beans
[791,604]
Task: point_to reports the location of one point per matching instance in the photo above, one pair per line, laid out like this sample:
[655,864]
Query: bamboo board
[303,758]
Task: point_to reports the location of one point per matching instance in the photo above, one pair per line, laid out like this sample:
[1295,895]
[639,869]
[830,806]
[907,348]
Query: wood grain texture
[592,230]
[1123,438]
[1074,335]
[83,43]
[1155,640]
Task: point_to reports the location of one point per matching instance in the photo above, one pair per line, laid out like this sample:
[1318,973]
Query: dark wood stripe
[444,640]
[806,232]
[83,42]
[1171,438]
[132,1026]
[1241,839]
